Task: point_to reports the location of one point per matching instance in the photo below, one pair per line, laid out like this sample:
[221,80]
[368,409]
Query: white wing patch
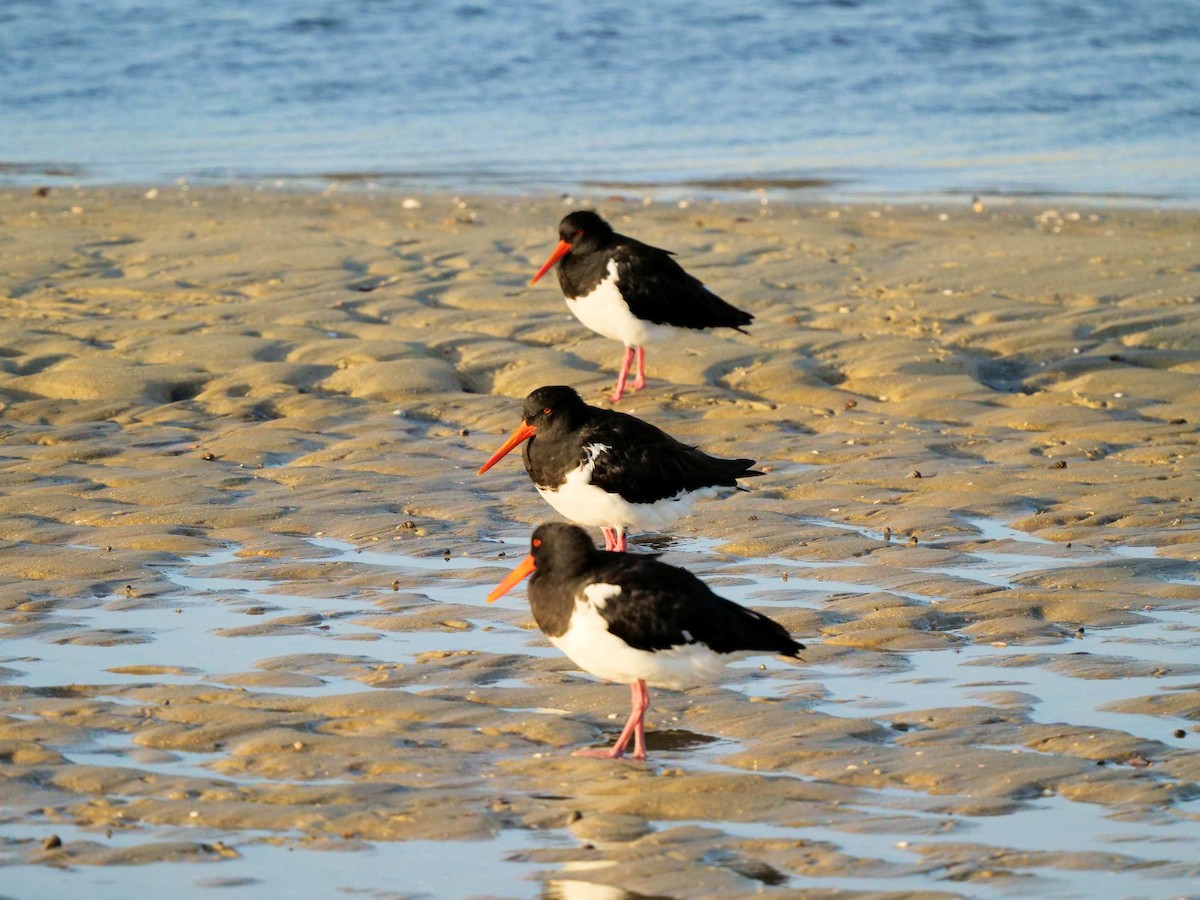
[593,452]
[598,594]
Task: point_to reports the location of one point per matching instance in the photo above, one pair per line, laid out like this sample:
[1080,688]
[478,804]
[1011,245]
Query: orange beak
[560,251]
[515,577]
[523,433]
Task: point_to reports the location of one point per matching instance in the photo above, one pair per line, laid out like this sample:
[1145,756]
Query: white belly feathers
[584,503]
[606,313]
[590,645]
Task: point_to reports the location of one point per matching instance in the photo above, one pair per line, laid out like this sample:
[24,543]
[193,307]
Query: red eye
[537,542]
[547,411]
[579,233]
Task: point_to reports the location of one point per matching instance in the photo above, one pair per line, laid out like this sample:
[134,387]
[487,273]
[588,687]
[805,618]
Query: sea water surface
[875,97]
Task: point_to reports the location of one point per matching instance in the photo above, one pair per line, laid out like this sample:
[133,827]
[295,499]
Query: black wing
[658,290]
[661,606]
[643,463]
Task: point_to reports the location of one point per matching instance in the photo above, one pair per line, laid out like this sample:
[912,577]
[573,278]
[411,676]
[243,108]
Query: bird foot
[638,384]
[609,753]
[616,397]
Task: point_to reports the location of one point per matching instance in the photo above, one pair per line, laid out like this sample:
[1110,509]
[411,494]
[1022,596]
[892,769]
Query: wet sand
[245,552]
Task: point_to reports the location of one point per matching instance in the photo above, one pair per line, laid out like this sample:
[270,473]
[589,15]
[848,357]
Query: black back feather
[641,462]
[660,606]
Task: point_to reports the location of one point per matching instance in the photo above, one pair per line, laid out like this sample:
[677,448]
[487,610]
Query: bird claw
[609,753]
[599,753]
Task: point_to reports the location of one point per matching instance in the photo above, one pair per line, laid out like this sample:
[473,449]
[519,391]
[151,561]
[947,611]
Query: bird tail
[740,468]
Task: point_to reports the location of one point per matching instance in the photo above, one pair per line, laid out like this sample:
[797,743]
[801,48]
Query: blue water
[870,96]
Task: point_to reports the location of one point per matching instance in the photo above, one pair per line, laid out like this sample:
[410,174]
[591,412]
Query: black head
[581,233]
[561,548]
[556,551]
[583,230]
[550,405]
[548,410]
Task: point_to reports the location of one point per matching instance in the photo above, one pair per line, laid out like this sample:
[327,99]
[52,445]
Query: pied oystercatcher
[629,291]
[635,619]
[605,468]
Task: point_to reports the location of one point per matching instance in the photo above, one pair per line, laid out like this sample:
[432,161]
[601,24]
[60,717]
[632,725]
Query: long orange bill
[523,433]
[515,577]
[560,251]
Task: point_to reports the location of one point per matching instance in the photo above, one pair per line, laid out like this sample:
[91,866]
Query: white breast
[605,312]
[592,647]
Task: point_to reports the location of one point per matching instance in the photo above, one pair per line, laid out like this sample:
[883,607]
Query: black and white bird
[634,619]
[629,291]
[610,470]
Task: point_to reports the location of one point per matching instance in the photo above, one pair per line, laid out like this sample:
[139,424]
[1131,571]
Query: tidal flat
[244,648]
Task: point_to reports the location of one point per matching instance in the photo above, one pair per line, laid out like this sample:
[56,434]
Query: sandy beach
[245,551]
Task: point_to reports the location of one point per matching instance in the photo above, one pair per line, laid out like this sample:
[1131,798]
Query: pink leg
[622,541]
[635,727]
[625,364]
[641,699]
[610,539]
[640,381]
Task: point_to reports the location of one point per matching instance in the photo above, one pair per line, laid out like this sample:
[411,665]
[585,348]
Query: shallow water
[858,96]
[1051,825]
[216,591]
[275,865]
[964,677]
